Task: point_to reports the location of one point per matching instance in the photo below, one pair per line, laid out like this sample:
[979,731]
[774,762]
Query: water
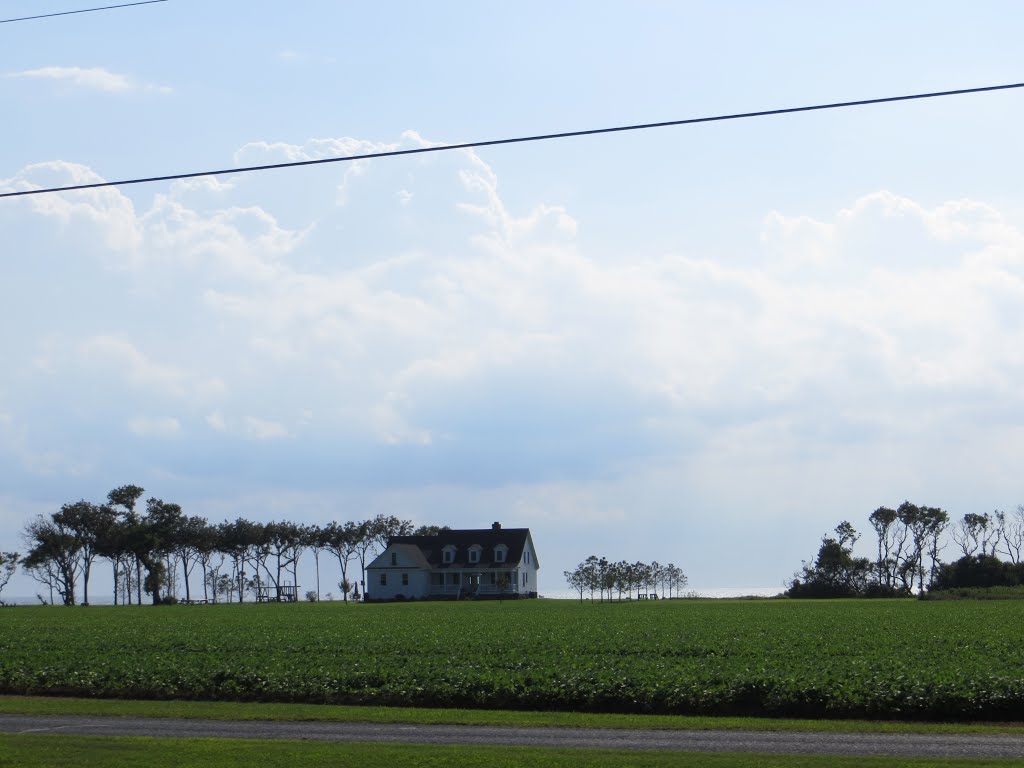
[709,592]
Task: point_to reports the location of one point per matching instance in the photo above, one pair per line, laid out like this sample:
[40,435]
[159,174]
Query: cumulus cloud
[91,78]
[472,340]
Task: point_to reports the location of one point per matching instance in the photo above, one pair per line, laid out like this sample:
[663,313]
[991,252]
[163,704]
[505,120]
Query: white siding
[418,586]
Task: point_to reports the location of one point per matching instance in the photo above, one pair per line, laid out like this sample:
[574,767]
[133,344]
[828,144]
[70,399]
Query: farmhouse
[487,562]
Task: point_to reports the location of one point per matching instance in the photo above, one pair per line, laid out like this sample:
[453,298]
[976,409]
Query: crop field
[882,659]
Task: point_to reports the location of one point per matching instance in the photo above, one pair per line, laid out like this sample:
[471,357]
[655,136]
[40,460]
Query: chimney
[495,526]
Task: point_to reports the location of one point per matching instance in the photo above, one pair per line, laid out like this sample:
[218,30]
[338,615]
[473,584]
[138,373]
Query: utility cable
[516,140]
[81,10]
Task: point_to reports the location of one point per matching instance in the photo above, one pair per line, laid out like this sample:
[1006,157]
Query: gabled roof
[413,553]
[433,547]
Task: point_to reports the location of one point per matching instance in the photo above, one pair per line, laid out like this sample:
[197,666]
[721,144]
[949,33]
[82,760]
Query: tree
[189,540]
[152,539]
[975,532]
[345,586]
[430,530]
[53,556]
[918,523]
[1012,533]
[978,571]
[8,565]
[90,525]
[314,537]
[936,521]
[126,497]
[835,572]
[344,542]
[676,579]
[882,520]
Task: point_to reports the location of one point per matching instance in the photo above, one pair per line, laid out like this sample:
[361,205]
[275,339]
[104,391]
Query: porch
[470,583]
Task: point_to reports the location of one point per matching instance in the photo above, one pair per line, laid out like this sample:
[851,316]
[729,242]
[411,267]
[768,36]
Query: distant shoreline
[714,593]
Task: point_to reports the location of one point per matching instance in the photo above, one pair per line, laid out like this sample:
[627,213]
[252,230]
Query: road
[851,744]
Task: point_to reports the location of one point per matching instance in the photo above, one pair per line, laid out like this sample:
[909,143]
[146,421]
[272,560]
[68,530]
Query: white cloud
[92,78]
[464,327]
[112,352]
[165,427]
[262,429]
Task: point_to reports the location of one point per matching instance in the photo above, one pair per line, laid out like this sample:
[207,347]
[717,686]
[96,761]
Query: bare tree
[8,565]
[1012,534]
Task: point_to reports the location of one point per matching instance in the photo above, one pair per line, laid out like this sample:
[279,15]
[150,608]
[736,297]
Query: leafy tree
[882,520]
[936,521]
[344,542]
[835,572]
[90,525]
[54,555]
[430,530]
[127,497]
[978,571]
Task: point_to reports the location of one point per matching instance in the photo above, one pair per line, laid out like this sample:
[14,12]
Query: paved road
[897,745]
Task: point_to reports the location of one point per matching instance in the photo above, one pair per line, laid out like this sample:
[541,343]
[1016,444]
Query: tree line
[598,575]
[154,548]
[908,543]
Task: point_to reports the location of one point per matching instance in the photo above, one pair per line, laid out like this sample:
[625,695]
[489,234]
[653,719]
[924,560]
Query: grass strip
[48,751]
[228,710]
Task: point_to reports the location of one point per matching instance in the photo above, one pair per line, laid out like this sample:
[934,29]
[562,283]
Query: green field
[877,659]
[47,751]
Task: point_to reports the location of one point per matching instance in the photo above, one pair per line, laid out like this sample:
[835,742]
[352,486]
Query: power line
[516,140]
[81,10]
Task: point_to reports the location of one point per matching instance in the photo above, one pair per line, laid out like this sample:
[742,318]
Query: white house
[489,562]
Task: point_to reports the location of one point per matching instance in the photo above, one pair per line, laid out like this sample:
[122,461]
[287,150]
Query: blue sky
[705,345]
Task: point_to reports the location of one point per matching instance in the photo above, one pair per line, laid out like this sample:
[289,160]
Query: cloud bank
[397,337]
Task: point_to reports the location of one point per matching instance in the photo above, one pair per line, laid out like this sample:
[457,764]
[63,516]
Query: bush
[311,596]
[978,571]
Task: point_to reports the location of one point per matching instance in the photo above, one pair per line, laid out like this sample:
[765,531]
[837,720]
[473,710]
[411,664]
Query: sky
[704,345]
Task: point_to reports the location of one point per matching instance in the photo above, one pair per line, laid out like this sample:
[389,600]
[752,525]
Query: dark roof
[488,538]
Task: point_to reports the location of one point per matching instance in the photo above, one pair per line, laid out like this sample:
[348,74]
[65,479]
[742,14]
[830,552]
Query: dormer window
[474,553]
[448,554]
[394,558]
[500,553]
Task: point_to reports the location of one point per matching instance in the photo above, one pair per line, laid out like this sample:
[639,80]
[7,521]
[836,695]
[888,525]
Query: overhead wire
[80,10]
[514,140]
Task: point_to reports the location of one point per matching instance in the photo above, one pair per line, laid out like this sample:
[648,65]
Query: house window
[394,558]
[449,554]
[405,579]
[494,578]
[499,555]
[454,578]
[383,579]
[526,556]
[524,579]
[474,555]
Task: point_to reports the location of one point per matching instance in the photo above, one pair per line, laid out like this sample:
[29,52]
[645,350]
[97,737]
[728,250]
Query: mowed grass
[899,659]
[46,751]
